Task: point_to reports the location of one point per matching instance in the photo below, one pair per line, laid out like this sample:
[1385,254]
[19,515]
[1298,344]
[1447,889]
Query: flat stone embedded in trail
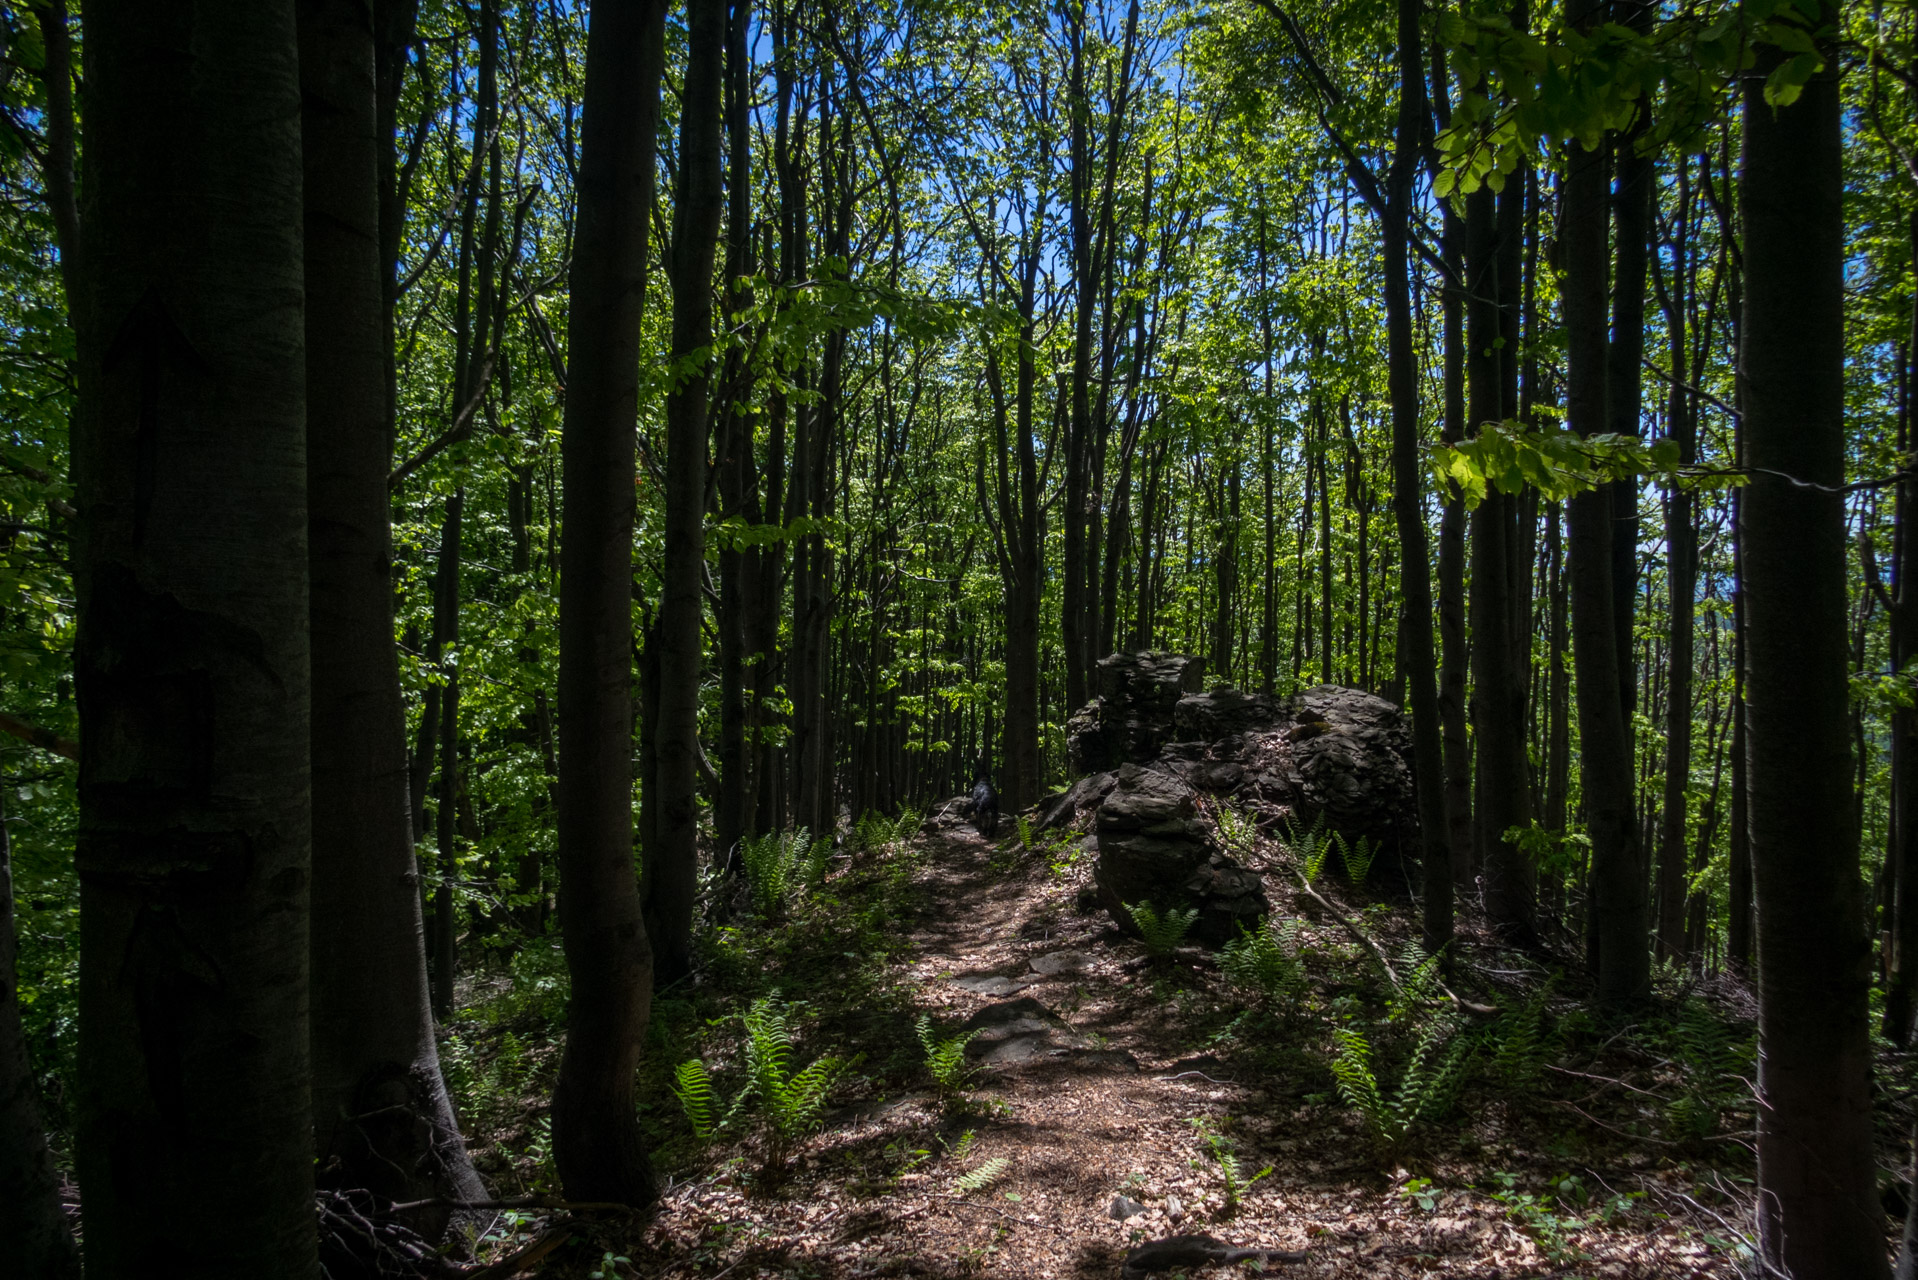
[1021,1030]
[992,984]
[1061,962]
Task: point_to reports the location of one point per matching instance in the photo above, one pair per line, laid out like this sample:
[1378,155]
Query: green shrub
[790,1102]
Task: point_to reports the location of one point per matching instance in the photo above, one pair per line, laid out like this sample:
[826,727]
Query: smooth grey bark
[191,660]
[382,1119]
[1818,1211]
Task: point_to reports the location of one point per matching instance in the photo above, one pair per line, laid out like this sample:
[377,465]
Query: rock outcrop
[1150,744]
[1155,847]
[1132,716]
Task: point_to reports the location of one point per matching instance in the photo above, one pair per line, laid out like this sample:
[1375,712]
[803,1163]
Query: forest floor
[1550,1144]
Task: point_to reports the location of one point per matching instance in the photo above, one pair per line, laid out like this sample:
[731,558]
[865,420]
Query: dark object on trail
[1177,1252]
[984,808]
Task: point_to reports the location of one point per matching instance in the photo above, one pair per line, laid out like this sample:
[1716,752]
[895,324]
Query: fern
[984,1176]
[945,1055]
[818,861]
[1356,857]
[1237,830]
[1713,1062]
[1429,1084]
[1522,1041]
[1162,933]
[962,1148]
[790,1102]
[1231,1168]
[1310,847]
[694,1089]
[907,825]
[1418,984]
[1264,961]
[1026,841]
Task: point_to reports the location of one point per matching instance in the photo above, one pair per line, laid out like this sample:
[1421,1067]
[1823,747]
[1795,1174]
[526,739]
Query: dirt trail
[1092,1067]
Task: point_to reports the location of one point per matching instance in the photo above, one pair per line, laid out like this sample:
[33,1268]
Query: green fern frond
[1263,961]
[984,1176]
[945,1055]
[694,1089]
[1357,857]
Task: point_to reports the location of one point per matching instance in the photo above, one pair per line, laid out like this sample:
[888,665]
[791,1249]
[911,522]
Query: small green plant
[1543,1216]
[1238,831]
[1265,961]
[1231,1170]
[945,1056]
[694,1089]
[1027,840]
[963,1147]
[1421,1192]
[1429,1084]
[984,1176]
[609,1266]
[1161,933]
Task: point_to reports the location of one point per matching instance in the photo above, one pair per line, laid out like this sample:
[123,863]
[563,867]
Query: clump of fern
[945,1056]
[1162,932]
[1522,1042]
[876,833]
[1310,847]
[789,1102]
[1713,1062]
[1356,856]
[1418,985]
[1428,1085]
[1265,961]
[781,863]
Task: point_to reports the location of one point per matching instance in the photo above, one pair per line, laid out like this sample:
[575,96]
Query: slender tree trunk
[597,1143]
[446,631]
[1498,694]
[192,658]
[381,1116]
[696,219]
[1408,508]
[1681,577]
[735,460]
[1618,907]
[1818,1209]
[1456,657]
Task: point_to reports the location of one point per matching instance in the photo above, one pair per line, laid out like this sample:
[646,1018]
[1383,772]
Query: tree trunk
[1417,659]
[192,658]
[597,1144]
[381,1116]
[696,218]
[1456,656]
[1818,1208]
[32,1219]
[1621,962]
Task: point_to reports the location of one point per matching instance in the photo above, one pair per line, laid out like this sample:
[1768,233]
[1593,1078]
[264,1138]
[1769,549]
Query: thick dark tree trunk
[381,1116]
[192,658]
[1621,962]
[696,218]
[32,1219]
[1818,1208]
[597,1143]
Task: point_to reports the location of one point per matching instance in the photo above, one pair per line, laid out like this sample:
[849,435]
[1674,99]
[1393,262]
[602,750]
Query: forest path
[1092,1065]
